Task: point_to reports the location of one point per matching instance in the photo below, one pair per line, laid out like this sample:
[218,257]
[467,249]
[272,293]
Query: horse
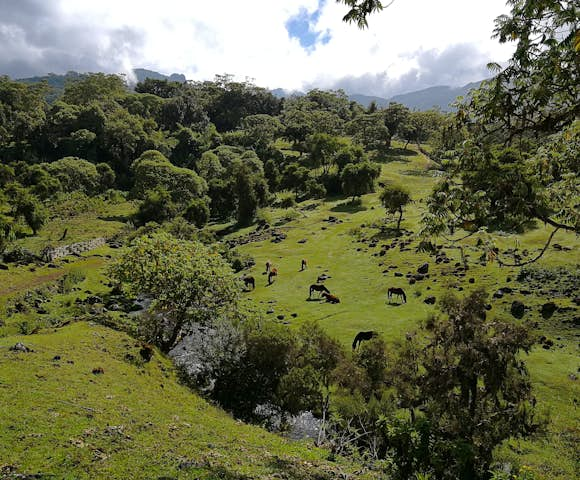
[268,266]
[303,265]
[317,288]
[361,336]
[331,298]
[273,273]
[397,291]
[322,277]
[249,281]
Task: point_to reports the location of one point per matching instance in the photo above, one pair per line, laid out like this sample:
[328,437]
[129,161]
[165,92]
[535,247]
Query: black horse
[249,282]
[361,336]
[397,291]
[317,288]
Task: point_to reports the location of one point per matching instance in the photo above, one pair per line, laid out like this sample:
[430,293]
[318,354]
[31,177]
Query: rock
[518,309]
[302,240]
[52,265]
[98,371]
[419,277]
[506,290]
[488,306]
[498,294]
[56,358]
[20,347]
[412,281]
[471,280]
[398,274]
[3,266]
[508,279]
[430,300]
[548,310]
[294,315]
[280,317]
[271,310]
[576,301]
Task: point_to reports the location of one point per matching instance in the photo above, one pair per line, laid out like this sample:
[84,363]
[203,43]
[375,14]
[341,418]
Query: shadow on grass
[314,299]
[116,218]
[349,207]
[387,233]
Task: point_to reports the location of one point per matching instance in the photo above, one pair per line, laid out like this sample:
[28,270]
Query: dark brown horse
[361,336]
[303,265]
[249,281]
[317,288]
[397,291]
[273,273]
[331,298]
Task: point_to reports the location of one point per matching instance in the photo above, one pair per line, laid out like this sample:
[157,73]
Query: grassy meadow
[57,417]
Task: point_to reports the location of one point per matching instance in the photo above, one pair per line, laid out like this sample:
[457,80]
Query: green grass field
[57,417]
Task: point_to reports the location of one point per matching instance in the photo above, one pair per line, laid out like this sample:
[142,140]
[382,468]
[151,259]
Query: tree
[360,10]
[394,198]
[98,87]
[188,282]
[369,130]
[152,169]
[295,177]
[323,148]
[26,205]
[395,115]
[475,387]
[250,190]
[197,212]
[75,173]
[359,178]
[156,206]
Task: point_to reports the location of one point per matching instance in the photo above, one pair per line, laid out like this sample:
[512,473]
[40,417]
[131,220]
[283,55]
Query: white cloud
[248,39]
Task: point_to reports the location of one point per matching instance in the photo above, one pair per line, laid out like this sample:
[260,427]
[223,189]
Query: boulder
[548,310]
[430,300]
[423,269]
[518,309]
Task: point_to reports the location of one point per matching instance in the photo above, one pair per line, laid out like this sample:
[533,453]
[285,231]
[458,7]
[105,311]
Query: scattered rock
[518,309]
[302,240]
[98,371]
[280,317]
[430,300]
[294,315]
[412,281]
[471,280]
[270,310]
[498,294]
[423,269]
[20,347]
[548,310]
[398,274]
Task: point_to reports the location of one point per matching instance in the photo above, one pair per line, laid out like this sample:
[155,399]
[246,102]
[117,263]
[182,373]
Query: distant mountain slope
[57,81]
[142,74]
[440,96]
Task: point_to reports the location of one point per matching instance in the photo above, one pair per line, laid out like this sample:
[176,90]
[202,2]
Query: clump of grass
[72,278]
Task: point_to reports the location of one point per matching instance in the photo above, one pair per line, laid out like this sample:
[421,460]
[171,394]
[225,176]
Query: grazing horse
[268,266]
[397,291]
[273,273]
[249,282]
[331,298]
[360,336]
[303,265]
[317,288]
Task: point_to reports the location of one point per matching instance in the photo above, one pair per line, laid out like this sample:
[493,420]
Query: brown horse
[331,298]
[249,281]
[303,265]
[317,288]
[397,291]
[273,273]
[361,336]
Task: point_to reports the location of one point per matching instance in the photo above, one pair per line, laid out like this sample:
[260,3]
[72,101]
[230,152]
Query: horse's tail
[404,296]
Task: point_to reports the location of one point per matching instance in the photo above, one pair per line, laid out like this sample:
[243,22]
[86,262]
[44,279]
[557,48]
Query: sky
[290,44]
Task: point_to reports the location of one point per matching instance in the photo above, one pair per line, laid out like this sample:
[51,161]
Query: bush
[197,212]
[157,207]
[286,201]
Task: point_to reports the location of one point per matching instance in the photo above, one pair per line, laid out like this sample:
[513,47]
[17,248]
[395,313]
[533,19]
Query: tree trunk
[399,219]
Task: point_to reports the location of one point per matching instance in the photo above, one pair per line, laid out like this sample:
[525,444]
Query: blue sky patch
[301,26]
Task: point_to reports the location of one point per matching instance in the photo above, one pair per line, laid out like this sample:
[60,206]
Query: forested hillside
[396,291]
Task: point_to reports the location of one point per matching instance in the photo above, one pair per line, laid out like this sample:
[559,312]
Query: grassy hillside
[133,420]
[136,421]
